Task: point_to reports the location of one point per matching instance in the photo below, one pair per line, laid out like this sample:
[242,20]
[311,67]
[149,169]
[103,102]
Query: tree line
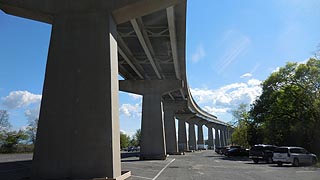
[287,113]
[126,140]
[16,140]
[23,140]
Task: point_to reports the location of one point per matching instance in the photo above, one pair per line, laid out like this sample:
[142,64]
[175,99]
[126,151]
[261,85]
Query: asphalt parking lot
[202,165]
[207,165]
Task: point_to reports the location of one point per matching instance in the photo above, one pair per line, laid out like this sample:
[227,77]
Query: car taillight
[288,154]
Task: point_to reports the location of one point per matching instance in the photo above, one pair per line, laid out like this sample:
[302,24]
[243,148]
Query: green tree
[12,139]
[288,110]
[241,121]
[4,125]
[136,139]
[32,130]
[124,140]
[4,120]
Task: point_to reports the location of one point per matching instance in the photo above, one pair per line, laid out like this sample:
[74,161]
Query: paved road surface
[207,165]
[202,165]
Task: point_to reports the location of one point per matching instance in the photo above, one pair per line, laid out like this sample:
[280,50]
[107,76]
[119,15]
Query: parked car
[237,152]
[293,155]
[202,147]
[227,148]
[218,150]
[262,152]
[133,148]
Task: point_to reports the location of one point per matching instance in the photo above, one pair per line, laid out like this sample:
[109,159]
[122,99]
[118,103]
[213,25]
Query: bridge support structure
[192,137]
[210,137]
[153,144]
[170,107]
[200,141]
[182,136]
[217,142]
[182,132]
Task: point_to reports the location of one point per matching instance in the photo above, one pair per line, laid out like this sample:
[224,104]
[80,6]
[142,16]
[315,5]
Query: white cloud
[130,110]
[246,75]
[221,101]
[32,114]
[254,82]
[18,99]
[200,53]
[214,110]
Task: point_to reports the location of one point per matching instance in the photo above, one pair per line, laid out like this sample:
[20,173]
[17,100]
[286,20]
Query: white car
[293,155]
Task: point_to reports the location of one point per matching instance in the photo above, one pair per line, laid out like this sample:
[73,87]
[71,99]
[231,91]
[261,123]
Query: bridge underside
[91,43]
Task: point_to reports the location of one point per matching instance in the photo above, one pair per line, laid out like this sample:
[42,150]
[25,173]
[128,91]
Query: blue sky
[231,47]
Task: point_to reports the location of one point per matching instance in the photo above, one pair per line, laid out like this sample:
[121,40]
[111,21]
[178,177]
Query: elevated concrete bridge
[92,41]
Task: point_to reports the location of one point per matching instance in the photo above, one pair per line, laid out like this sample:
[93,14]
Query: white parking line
[140,177]
[163,169]
[305,171]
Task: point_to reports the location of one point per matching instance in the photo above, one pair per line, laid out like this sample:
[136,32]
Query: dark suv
[262,152]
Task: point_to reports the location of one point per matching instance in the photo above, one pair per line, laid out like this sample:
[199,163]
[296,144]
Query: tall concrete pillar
[222,138]
[228,136]
[170,107]
[182,132]
[192,137]
[217,137]
[153,144]
[182,136]
[170,132]
[78,133]
[210,138]
[200,141]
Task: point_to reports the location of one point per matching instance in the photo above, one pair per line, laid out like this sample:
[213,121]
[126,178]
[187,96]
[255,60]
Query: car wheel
[295,162]
[279,163]
[255,161]
[314,161]
[269,160]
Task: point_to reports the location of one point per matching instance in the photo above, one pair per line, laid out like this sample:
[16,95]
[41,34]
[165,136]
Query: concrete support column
[217,138]
[222,138]
[152,129]
[78,132]
[228,136]
[200,141]
[182,136]
[192,137]
[170,132]
[210,138]
[153,145]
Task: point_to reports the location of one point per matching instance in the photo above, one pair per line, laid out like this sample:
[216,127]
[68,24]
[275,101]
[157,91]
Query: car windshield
[281,150]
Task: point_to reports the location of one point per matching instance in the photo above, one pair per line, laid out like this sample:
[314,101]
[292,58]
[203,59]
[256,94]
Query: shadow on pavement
[18,170]
[213,156]
[129,154]
[15,170]
[236,158]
